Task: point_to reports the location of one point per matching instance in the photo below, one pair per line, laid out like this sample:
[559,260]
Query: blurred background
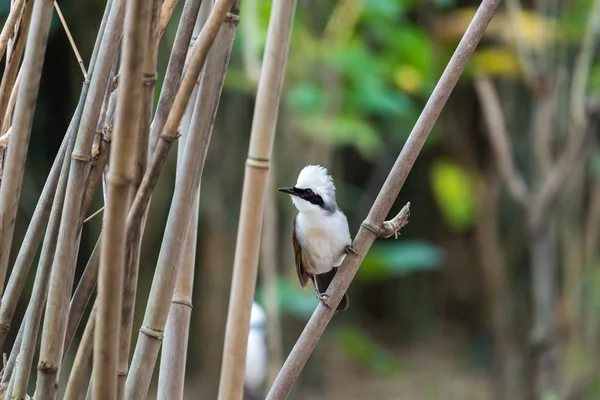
[493,284]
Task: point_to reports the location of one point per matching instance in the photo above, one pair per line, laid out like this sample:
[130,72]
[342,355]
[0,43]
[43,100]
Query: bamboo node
[81,157]
[122,373]
[232,18]
[117,178]
[169,138]
[47,367]
[183,302]
[152,333]
[370,227]
[257,162]
[149,79]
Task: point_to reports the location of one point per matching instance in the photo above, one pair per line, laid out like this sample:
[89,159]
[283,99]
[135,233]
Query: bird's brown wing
[303,277]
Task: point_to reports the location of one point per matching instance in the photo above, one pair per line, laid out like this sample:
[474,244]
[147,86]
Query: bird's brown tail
[323,281]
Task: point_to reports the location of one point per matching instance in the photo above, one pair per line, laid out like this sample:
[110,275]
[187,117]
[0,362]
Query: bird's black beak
[288,190]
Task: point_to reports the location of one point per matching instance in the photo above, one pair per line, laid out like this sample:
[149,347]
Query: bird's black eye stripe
[312,197]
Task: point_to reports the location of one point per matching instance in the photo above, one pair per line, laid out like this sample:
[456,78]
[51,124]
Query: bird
[256,355]
[321,235]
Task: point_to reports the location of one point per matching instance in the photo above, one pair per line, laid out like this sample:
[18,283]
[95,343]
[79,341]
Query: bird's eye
[308,192]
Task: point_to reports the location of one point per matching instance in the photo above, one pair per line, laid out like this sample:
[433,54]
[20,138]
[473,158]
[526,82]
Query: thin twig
[73,45]
[94,214]
[384,201]
[11,105]
[500,140]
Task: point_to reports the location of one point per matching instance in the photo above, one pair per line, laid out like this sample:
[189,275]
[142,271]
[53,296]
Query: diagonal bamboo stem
[14,164]
[63,268]
[9,25]
[40,287]
[384,201]
[77,382]
[245,265]
[186,186]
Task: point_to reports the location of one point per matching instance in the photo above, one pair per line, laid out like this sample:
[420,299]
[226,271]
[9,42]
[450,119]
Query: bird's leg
[350,249]
[323,297]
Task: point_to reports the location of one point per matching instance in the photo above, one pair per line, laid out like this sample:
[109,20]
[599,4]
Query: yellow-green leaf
[455,193]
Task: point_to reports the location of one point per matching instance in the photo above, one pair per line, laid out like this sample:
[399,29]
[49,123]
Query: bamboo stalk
[40,287]
[63,268]
[13,60]
[166,11]
[119,178]
[133,248]
[173,358]
[77,382]
[245,265]
[14,163]
[9,25]
[384,201]
[186,186]
[177,59]
[11,106]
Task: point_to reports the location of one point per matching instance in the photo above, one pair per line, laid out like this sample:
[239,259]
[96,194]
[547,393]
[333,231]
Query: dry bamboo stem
[13,61]
[63,268]
[33,237]
[174,69]
[119,178]
[14,164]
[9,25]
[40,287]
[173,358]
[186,186]
[77,382]
[166,12]
[14,352]
[133,248]
[245,265]
[384,201]
[11,105]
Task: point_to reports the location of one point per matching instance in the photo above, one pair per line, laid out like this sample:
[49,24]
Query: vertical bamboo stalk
[173,359]
[245,266]
[186,186]
[384,201]
[14,166]
[119,178]
[63,267]
[77,382]
[133,245]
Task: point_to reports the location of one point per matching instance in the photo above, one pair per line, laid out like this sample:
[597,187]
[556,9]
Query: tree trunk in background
[507,366]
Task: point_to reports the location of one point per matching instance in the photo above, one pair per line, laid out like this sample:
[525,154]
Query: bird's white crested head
[315,178]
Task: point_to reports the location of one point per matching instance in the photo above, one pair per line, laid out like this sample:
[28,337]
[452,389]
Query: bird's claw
[350,249]
[324,299]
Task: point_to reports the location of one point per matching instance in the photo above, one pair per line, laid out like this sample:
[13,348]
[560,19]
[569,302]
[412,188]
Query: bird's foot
[323,298]
[350,249]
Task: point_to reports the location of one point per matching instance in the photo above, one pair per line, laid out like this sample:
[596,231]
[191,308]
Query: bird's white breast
[324,237]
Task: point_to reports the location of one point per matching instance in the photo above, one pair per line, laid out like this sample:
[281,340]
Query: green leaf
[396,259]
[454,191]
[361,348]
[306,97]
